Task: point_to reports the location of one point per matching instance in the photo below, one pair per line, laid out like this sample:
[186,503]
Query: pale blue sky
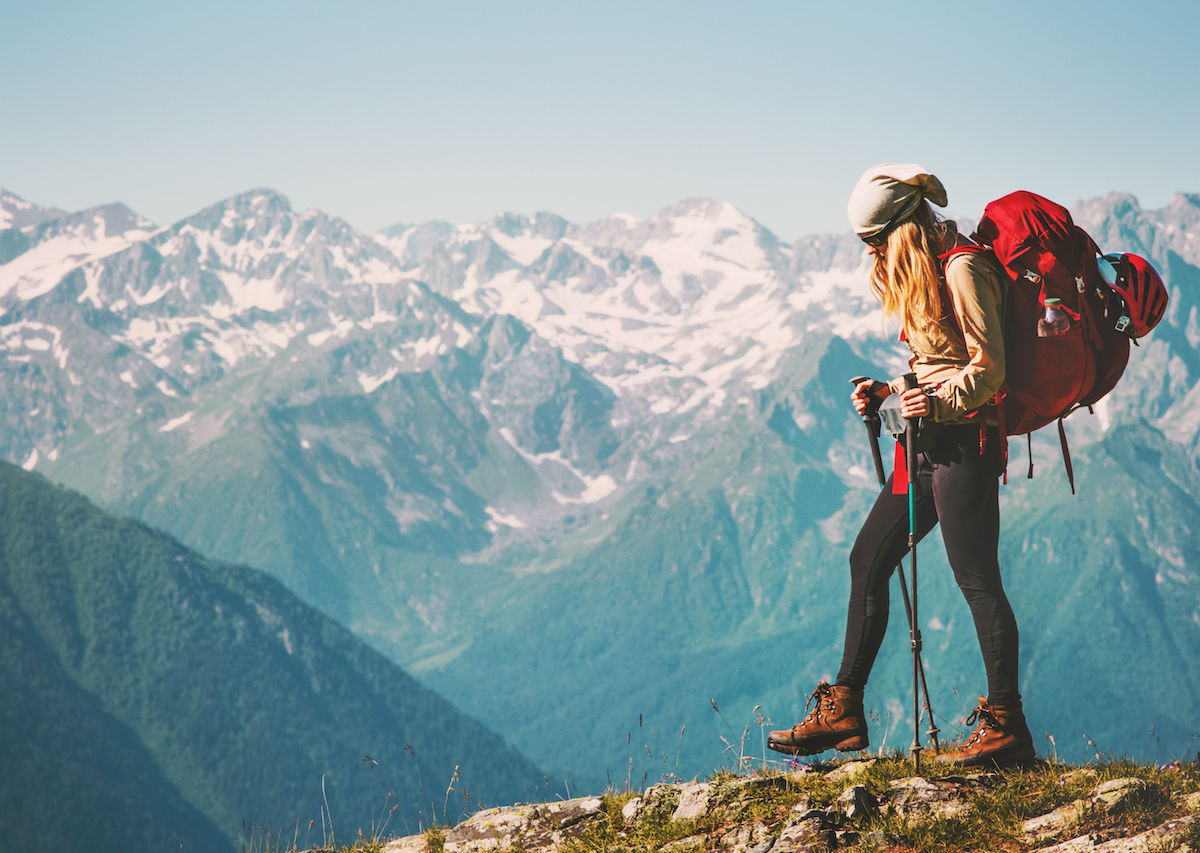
[403,112]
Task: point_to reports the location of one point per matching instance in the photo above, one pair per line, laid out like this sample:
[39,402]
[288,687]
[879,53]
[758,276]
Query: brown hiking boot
[1001,738]
[835,722]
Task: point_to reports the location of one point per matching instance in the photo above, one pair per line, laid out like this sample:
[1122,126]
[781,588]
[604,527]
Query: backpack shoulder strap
[969,249]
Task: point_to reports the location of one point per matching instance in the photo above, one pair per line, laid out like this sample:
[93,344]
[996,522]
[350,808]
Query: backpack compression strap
[1062,440]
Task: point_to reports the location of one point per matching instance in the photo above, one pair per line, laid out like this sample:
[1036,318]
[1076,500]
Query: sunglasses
[880,237]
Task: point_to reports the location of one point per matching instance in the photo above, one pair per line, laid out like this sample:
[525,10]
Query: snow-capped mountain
[688,309]
[56,246]
[481,445]
[683,314]
[17,214]
[674,324]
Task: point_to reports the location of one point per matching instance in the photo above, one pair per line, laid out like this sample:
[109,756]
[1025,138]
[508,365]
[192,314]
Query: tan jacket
[963,368]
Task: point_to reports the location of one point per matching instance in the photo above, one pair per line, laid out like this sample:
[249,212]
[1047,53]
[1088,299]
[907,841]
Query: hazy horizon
[385,113]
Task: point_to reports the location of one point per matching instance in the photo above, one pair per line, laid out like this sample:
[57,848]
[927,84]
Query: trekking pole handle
[910,435]
[873,393]
[910,382]
[870,418]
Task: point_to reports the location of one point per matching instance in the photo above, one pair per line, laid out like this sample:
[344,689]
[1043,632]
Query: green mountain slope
[1111,591]
[74,775]
[178,698]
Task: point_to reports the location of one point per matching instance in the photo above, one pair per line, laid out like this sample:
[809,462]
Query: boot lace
[823,699]
[986,722]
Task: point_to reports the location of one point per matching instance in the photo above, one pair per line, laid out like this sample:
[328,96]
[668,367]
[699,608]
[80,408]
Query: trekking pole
[872,421]
[914,630]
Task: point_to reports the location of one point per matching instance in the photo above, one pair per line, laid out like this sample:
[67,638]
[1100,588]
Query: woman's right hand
[864,398]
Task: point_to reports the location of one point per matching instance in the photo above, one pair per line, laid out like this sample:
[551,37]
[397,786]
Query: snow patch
[175,423]
[339,328]
[39,270]
[370,383]
[593,488]
[500,519]
[247,293]
[524,249]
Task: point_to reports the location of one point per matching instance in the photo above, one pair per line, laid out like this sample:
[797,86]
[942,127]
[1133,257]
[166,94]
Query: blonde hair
[905,278]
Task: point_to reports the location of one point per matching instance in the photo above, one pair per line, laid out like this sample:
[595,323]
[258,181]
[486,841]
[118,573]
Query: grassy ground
[993,822]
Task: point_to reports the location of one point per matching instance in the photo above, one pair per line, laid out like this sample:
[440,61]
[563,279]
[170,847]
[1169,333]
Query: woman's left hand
[914,404]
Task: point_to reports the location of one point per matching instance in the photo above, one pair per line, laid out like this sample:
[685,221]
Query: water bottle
[1054,320]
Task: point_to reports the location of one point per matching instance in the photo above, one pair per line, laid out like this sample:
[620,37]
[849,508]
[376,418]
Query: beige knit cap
[888,193]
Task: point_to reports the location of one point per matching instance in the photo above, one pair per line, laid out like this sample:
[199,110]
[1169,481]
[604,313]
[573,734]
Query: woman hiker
[950,312]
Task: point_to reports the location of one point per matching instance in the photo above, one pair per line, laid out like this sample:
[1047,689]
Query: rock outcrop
[849,808]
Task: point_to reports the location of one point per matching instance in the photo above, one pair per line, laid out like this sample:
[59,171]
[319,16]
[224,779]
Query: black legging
[958,487]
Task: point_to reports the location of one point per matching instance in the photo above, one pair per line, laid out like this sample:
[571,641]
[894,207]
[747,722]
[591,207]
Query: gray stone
[566,813]
[1053,823]
[803,810]
[923,799]
[746,838]
[810,814]
[1106,798]
[805,836]
[850,770]
[491,829]
[1082,844]
[857,802]
[533,828]
[409,844]
[693,801]
[1117,793]
[1162,837]
[632,809]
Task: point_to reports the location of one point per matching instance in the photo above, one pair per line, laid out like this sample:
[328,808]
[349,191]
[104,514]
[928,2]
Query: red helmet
[1141,288]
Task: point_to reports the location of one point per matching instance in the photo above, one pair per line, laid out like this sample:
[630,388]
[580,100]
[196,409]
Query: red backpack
[1047,257]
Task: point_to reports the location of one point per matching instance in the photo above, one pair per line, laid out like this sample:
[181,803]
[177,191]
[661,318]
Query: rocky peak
[16,212]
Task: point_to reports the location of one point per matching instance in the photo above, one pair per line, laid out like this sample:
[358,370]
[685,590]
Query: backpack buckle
[1123,322]
[1032,276]
[1079,284]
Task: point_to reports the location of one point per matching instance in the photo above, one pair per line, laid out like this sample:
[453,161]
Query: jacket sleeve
[977,302]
